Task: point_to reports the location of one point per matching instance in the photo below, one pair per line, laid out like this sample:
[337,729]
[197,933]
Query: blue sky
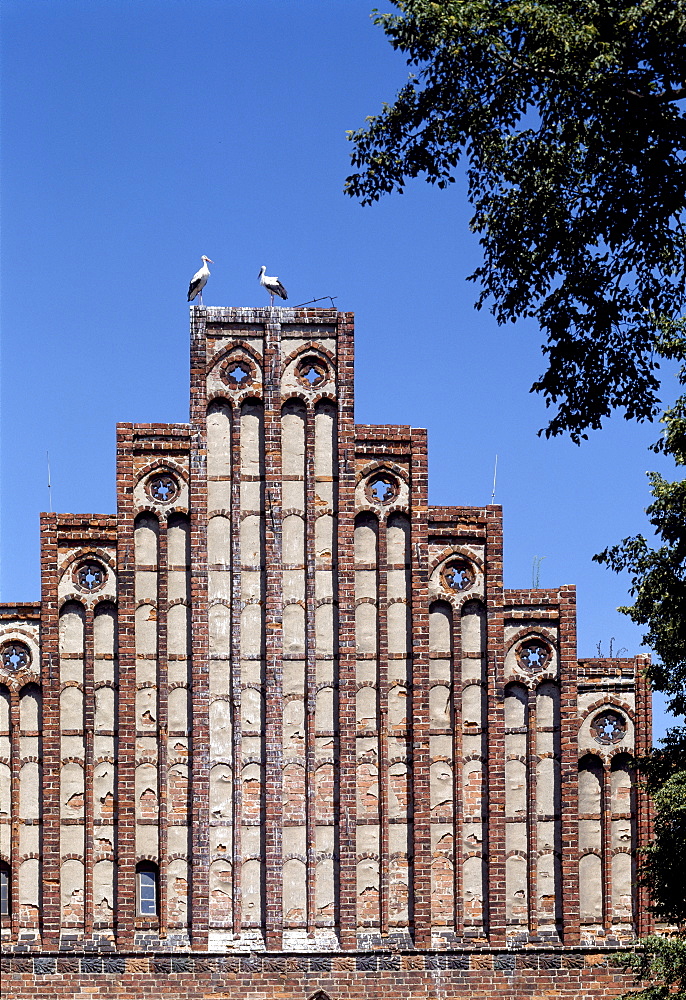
[140,134]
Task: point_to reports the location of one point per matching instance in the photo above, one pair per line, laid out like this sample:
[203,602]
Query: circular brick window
[608,727]
[534,655]
[90,576]
[238,373]
[458,575]
[16,656]
[382,488]
[312,372]
[162,488]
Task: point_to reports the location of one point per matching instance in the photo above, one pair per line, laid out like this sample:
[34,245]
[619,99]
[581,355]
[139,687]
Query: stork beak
[209,261]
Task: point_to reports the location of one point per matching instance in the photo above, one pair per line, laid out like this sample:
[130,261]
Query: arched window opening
[5,890]
[147,889]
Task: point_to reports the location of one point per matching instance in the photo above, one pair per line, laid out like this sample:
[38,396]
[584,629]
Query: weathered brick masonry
[277,728]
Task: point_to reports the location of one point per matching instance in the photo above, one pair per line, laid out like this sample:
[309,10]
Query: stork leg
[271,303]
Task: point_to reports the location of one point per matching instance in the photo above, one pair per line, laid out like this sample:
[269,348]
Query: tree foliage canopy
[663,959]
[658,574]
[660,960]
[568,115]
[658,585]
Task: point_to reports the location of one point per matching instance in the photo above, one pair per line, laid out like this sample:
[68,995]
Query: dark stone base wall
[484,975]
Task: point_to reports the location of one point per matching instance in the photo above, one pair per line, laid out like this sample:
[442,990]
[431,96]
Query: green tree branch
[567,119]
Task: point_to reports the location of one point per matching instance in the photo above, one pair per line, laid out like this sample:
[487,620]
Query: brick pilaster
[125,912]
[235,653]
[88,767]
[569,766]
[15,828]
[200,738]
[382,719]
[274,645]
[458,806]
[494,793]
[163,720]
[421,749]
[645,921]
[50,672]
[606,845]
[532,817]
[310,672]
[345,591]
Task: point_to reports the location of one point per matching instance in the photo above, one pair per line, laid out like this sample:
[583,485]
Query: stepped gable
[277,723]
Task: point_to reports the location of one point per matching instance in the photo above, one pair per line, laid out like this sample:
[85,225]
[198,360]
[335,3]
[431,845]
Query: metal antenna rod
[321,299]
[495,473]
[47,455]
[536,571]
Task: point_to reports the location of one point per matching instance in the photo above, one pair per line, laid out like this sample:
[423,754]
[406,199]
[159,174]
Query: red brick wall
[320,799]
[531,975]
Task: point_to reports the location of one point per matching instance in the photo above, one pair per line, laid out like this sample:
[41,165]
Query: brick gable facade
[295,697]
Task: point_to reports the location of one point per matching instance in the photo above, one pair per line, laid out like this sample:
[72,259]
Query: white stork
[272,285]
[199,279]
